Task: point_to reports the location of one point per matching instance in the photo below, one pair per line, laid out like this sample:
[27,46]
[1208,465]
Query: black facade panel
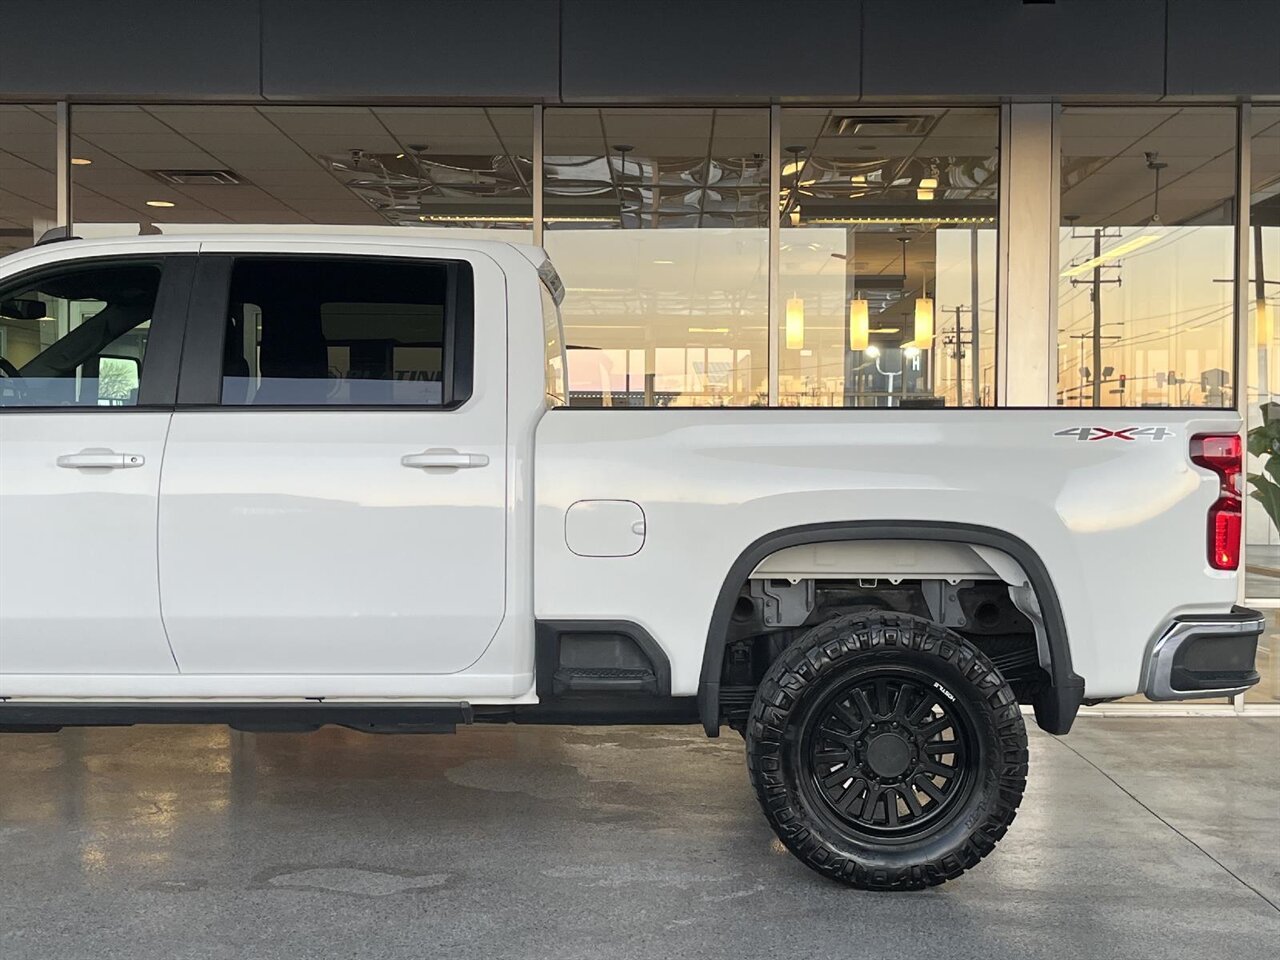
[488,50]
[143,49]
[711,50]
[1010,48]
[1224,48]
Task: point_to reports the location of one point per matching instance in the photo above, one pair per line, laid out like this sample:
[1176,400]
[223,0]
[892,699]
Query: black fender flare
[1055,707]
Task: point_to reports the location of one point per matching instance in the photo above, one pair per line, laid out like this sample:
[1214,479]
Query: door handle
[446,459]
[101,460]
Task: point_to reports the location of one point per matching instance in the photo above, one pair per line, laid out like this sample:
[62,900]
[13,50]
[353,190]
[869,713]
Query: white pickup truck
[282,481]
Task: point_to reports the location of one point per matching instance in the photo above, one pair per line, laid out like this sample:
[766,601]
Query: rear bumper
[1210,655]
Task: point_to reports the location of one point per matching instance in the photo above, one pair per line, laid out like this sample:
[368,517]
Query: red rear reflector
[1224,455]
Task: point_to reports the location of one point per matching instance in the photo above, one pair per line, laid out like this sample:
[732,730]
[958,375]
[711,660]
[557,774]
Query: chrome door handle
[101,460]
[447,459]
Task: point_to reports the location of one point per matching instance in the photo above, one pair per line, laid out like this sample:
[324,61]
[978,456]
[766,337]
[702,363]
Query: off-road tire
[810,675]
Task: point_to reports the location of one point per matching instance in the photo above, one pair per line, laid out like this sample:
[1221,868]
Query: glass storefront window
[1267,689]
[888,257]
[1262,294]
[657,221]
[180,167]
[28,182]
[1146,270]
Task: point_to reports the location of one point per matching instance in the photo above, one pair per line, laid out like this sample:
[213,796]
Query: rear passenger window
[347,332]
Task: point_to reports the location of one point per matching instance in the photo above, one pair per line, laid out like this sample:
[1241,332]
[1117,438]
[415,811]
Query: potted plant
[1264,442]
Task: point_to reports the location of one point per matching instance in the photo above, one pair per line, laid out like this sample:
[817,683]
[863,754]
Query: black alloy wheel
[887,752]
[888,755]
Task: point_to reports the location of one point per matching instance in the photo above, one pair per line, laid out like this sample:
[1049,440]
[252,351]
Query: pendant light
[924,324]
[795,323]
[794,167]
[859,324]
[924,311]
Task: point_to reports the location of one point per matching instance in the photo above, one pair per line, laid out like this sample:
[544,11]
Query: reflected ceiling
[687,167]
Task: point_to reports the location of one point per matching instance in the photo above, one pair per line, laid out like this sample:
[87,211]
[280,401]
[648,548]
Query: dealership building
[836,203]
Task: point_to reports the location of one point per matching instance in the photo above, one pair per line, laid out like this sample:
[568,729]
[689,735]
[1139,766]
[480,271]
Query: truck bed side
[1118,520]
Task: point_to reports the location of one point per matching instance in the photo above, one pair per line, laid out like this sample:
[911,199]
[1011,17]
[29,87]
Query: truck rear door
[334,498]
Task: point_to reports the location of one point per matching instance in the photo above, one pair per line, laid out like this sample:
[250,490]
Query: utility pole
[957,344]
[1097,318]
[1096,374]
[1095,295]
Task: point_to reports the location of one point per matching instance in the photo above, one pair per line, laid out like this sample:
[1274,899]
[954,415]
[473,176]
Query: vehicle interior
[77,337]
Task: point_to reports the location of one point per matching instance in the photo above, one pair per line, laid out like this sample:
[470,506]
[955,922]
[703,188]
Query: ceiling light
[1128,246]
[399,156]
[795,323]
[887,330]
[929,183]
[708,329]
[80,161]
[160,203]
[873,351]
[478,218]
[664,262]
[902,220]
[491,218]
[858,178]
[923,194]
[806,353]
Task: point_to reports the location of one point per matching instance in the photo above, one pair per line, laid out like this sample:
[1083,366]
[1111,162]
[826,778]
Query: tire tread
[823,651]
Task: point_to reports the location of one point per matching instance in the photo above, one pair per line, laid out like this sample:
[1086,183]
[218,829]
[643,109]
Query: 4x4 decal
[1124,433]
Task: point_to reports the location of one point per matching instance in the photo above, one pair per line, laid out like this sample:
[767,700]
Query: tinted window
[77,337]
[557,396]
[341,332]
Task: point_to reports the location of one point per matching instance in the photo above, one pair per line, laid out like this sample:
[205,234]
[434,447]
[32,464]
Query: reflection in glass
[437,169]
[657,221]
[1145,293]
[28,186]
[888,257]
[305,332]
[1267,689]
[1262,294]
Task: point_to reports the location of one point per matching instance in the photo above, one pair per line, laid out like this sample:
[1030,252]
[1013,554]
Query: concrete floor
[1138,838]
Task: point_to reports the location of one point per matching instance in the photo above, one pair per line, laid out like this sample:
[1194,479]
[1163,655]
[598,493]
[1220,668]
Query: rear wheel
[887,752]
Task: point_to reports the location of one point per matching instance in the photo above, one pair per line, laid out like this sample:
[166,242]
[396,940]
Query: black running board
[375,717]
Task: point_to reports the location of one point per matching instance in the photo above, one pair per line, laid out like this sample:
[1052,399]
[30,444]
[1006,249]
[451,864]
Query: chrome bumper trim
[1160,662]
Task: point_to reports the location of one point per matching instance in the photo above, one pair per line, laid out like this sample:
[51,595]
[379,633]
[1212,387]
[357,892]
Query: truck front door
[88,367]
[334,490]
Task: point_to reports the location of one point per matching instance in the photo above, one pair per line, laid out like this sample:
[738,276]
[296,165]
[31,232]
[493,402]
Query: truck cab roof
[340,237]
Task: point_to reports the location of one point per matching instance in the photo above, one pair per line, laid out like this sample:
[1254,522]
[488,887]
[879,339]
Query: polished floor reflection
[1137,838]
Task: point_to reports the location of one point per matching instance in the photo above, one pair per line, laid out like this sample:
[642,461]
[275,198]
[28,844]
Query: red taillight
[1223,454]
[1224,534]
